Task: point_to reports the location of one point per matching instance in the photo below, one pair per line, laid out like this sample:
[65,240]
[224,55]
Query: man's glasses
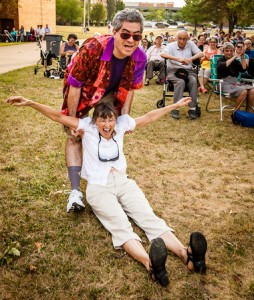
[126,36]
[105,159]
[239,46]
[213,42]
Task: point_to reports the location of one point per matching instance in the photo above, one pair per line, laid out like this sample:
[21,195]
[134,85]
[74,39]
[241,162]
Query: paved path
[20,56]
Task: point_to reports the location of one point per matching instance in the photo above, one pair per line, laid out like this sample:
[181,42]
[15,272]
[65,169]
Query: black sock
[74,177]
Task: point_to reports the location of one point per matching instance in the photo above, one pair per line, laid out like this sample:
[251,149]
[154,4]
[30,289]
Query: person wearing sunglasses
[106,68]
[229,68]
[114,197]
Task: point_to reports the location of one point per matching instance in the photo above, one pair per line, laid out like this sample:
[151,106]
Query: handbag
[182,74]
[243,118]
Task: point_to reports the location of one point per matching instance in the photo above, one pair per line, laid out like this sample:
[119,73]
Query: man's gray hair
[128,15]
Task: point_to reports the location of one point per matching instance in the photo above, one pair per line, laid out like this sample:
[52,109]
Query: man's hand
[185,61]
[19,101]
[77,133]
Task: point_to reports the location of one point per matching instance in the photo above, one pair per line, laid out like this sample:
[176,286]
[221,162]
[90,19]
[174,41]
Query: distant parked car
[162,25]
[180,26]
[148,24]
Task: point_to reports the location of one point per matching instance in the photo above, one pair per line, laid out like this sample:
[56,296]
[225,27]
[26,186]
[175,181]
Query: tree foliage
[98,13]
[68,11]
[156,14]
[191,12]
[232,12]
[111,9]
[8,7]
[119,5]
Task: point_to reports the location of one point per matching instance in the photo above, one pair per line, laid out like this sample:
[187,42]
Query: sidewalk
[20,56]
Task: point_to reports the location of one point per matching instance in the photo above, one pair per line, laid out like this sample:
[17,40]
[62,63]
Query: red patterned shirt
[90,70]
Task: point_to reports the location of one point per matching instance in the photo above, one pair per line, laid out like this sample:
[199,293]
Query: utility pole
[84,24]
[88,14]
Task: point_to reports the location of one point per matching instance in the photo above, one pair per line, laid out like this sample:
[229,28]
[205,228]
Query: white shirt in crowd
[188,51]
[154,53]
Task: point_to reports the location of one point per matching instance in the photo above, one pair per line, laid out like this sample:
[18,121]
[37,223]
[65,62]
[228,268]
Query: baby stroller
[49,62]
[168,89]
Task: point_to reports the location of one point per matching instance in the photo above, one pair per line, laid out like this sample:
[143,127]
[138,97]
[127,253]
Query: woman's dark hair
[72,36]
[104,110]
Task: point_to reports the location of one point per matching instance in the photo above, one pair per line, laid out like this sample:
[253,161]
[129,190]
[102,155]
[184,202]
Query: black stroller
[168,88]
[49,62]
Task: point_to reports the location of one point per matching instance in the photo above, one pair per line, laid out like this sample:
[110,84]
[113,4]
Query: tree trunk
[232,21]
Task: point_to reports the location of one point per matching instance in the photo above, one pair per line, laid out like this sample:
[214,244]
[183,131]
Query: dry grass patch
[197,175]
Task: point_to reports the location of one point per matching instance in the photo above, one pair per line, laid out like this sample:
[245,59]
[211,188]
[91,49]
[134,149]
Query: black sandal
[198,245]
[158,256]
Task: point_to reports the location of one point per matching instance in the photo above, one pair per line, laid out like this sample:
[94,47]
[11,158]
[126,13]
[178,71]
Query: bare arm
[47,111]
[127,105]
[198,55]
[156,114]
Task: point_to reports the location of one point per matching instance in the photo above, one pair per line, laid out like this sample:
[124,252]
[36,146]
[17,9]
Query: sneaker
[146,82]
[175,114]
[158,256]
[74,202]
[192,114]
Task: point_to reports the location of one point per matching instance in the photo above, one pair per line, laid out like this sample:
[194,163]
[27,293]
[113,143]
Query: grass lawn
[197,175]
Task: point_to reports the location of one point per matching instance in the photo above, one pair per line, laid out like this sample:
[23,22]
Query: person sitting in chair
[181,54]
[229,67]
[114,197]
[155,61]
[67,49]
[205,70]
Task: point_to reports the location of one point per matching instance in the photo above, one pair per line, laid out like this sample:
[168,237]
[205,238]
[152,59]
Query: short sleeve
[84,123]
[125,123]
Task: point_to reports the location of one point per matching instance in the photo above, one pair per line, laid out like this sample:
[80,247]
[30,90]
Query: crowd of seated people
[241,46]
[30,36]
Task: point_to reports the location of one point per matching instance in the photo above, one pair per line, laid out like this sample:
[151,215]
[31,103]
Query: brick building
[14,13]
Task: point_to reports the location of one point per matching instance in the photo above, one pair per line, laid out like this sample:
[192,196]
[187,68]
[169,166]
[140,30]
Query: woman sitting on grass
[114,197]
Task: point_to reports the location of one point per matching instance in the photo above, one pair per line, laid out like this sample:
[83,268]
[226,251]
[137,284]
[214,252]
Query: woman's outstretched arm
[156,114]
[47,111]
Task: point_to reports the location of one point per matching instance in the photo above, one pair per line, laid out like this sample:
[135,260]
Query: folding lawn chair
[215,87]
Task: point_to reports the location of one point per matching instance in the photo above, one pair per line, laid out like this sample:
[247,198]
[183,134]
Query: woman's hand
[184,101]
[19,101]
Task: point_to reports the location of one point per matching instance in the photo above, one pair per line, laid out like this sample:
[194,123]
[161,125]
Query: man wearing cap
[154,60]
[180,55]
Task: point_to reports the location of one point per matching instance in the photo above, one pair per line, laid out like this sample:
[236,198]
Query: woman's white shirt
[94,170]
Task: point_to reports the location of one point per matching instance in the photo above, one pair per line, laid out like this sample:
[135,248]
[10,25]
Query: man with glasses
[250,52]
[107,68]
[248,49]
[180,55]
